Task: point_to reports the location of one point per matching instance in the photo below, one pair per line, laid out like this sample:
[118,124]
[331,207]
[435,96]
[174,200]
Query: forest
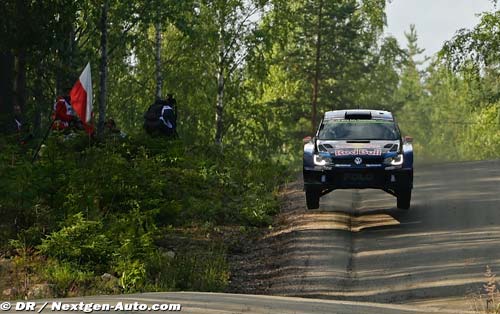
[126,213]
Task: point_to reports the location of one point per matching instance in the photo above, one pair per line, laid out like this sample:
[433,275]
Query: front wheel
[312,198]
[404,198]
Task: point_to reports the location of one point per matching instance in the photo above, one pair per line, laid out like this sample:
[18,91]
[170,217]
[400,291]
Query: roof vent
[358,115]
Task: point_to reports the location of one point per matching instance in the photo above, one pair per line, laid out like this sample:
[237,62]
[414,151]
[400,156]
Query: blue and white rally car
[358,149]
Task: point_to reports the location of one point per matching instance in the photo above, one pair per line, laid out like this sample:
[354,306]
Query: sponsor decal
[358,152]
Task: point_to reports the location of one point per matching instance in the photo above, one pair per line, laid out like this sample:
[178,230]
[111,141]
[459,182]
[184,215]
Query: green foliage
[452,115]
[477,47]
[81,242]
[336,40]
[202,271]
[64,276]
[133,275]
[484,138]
[95,208]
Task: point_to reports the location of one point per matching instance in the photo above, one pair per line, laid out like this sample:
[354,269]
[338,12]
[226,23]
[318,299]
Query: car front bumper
[330,178]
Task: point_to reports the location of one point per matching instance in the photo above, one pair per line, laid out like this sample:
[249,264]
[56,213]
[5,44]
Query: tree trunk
[219,109]
[317,69]
[20,82]
[159,77]
[19,100]
[6,88]
[103,69]
[71,50]
[38,98]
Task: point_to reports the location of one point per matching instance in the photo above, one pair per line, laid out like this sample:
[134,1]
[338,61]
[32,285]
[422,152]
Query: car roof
[358,114]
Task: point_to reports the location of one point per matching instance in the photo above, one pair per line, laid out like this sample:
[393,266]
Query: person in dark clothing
[162,117]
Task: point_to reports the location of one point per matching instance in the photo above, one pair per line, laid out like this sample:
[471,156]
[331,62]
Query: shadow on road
[359,247]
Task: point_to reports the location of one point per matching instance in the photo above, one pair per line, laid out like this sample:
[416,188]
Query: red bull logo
[358,152]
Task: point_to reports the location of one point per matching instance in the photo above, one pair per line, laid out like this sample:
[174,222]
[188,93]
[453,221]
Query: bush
[94,208]
[81,242]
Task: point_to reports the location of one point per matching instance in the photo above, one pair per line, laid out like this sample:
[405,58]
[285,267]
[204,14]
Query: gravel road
[358,246]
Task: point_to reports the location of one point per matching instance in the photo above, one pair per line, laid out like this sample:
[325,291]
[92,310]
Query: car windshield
[359,130]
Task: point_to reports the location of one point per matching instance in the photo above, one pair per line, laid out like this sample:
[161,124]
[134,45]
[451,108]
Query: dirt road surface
[359,247]
[220,303]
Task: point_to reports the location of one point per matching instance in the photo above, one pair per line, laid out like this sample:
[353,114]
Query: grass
[488,300]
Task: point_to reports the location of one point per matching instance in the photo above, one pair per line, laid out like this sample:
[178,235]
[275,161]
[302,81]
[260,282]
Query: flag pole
[43,140]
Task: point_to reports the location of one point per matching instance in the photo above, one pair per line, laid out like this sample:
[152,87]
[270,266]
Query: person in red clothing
[63,115]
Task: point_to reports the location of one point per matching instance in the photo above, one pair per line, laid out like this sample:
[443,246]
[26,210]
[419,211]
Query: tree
[6,89]
[36,50]
[230,29]
[103,67]
[411,79]
[379,86]
[415,110]
[477,47]
[474,54]
[325,46]
[159,77]
[118,24]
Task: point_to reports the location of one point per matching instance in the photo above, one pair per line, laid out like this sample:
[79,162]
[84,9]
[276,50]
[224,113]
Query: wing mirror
[306,139]
[408,139]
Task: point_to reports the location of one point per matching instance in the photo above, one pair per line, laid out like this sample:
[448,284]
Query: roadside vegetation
[117,214]
[487,300]
[124,208]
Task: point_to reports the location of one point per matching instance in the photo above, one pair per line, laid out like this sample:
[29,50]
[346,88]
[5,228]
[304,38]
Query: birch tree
[158,44]
[103,67]
[232,24]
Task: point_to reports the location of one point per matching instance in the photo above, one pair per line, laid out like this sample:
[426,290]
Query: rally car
[358,149]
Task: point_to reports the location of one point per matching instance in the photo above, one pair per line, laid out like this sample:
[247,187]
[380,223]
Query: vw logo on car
[358,160]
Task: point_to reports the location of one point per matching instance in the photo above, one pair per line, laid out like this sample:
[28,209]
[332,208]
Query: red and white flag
[81,98]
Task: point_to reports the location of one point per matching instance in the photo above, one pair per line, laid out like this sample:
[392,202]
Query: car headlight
[321,160]
[394,161]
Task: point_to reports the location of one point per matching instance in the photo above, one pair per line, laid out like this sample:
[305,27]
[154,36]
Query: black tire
[312,198]
[404,199]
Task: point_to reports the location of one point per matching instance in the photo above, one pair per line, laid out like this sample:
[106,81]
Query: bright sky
[435,20]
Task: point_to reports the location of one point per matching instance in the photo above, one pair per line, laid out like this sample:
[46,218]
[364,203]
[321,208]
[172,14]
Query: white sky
[435,20]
